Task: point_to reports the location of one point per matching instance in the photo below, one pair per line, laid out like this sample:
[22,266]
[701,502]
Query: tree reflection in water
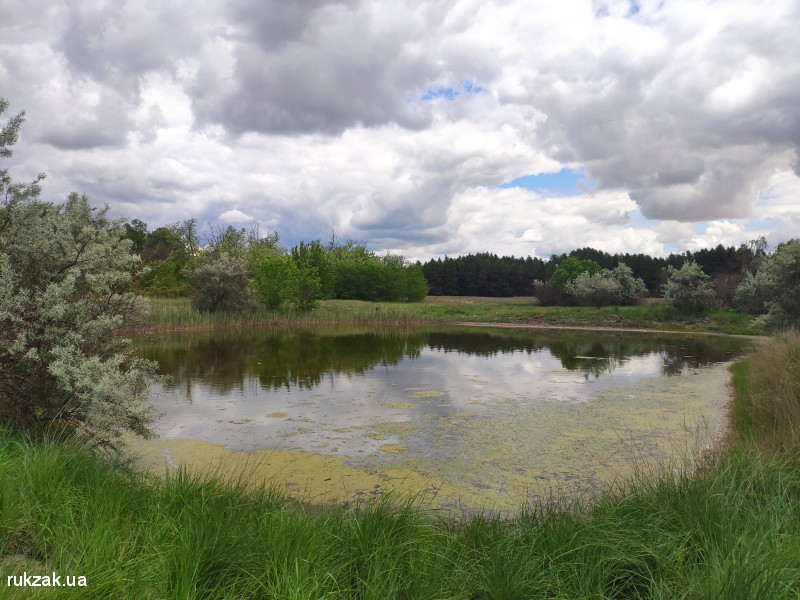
[304,357]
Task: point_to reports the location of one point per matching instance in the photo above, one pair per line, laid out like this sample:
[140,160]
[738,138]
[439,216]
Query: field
[178,314]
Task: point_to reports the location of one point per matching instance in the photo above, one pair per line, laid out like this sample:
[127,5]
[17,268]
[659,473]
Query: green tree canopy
[774,291]
[571,267]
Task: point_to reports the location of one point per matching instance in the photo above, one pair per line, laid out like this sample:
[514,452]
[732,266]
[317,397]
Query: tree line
[230,269]
[486,274]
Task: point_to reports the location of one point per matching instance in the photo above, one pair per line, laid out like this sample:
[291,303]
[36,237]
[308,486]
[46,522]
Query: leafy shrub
[65,292]
[598,289]
[688,288]
[774,291]
[630,289]
[222,284]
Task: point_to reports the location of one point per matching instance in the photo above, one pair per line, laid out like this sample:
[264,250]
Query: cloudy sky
[424,128]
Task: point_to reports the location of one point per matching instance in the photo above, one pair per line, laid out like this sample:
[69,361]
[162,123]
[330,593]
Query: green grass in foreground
[178,314]
[731,529]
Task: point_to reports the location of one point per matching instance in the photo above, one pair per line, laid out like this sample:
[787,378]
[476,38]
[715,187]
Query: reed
[767,384]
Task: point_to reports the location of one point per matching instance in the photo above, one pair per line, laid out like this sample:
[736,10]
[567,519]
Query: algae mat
[494,453]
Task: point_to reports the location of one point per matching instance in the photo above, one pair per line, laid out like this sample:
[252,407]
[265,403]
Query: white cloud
[309,116]
[235,216]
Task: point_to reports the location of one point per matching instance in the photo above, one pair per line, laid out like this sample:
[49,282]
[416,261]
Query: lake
[464,419]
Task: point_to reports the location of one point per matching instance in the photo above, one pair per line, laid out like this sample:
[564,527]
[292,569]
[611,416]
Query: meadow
[177,313]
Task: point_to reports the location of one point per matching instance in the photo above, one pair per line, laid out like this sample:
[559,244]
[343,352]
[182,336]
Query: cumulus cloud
[394,123]
[689,115]
[319,67]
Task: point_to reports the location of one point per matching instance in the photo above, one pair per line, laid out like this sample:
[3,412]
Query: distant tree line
[230,269]
[486,274]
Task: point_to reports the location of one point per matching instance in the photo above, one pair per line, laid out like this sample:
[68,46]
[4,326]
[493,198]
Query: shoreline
[158,329]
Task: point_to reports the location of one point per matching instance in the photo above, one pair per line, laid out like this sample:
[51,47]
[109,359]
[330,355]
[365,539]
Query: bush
[221,285]
[774,291]
[65,274]
[630,289]
[547,293]
[65,292]
[598,289]
[688,288]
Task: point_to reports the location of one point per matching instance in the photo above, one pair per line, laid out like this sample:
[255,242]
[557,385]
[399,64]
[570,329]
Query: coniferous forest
[486,274]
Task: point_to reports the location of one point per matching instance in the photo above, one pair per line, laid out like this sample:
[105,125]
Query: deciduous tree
[774,291]
[688,288]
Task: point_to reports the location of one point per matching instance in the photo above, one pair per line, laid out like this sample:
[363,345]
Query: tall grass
[767,408]
[731,532]
[178,314]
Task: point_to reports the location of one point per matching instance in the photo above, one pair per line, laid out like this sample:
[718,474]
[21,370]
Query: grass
[767,385]
[171,314]
[733,532]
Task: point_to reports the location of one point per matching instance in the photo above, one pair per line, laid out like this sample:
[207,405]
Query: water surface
[470,418]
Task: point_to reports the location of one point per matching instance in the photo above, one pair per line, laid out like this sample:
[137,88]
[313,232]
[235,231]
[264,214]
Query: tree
[774,291]
[570,268]
[136,232]
[275,280]
[226,240]
[222,284]
[65,293]
[630,288]
[688,288]
[416,284]
[314,256]
[307,289]
[599,289]
[259,246]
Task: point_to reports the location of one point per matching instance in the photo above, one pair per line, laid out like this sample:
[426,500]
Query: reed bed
[178,314]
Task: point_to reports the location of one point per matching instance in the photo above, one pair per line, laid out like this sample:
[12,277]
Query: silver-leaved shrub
[65,298]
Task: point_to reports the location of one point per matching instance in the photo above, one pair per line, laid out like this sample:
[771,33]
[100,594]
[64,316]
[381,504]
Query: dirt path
[599,328]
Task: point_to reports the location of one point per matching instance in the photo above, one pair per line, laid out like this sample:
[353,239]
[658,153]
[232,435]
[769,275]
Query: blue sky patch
[758,224]
[447,93]
[472,88]
[567,182]
[451,93]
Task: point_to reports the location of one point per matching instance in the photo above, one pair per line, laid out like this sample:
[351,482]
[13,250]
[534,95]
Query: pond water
[470,419]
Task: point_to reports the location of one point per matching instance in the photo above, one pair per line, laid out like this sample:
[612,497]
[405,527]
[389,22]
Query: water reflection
[486,414]
[300,389]
[303,359]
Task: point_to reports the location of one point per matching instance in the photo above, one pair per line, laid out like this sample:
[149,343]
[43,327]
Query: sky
[422,128]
